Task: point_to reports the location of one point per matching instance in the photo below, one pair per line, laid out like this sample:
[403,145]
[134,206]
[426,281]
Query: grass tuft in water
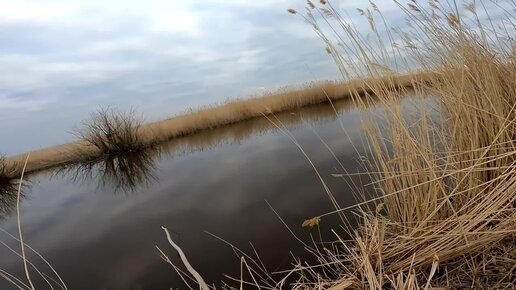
[7,171]
[445,170]
[112,132]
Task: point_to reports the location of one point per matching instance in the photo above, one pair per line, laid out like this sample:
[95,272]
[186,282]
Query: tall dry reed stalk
[7,170]
[446,178]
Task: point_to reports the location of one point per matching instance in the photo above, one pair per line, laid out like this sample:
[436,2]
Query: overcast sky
[61,60]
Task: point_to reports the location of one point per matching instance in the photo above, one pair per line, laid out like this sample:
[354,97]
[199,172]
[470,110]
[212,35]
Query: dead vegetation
[8,187]
[112,132]
[8,171]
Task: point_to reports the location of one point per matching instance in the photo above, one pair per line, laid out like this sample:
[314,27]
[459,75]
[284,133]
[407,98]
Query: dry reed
[447,177]
[112,132]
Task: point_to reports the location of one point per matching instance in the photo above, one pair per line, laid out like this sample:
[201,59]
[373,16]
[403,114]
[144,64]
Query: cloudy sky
[61,60]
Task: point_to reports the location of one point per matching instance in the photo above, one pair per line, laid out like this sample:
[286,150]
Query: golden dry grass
[8,170]
[446,178]
[239,110]
[112,132]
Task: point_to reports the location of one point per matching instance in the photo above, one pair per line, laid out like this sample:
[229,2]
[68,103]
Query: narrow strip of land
[218,116]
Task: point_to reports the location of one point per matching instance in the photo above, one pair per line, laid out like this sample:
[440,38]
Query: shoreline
[209,118]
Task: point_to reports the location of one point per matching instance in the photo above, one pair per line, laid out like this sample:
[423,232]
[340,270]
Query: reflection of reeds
[240,131]
[8,170]
[14,192]
[8,187]
[8,190]
[123,172]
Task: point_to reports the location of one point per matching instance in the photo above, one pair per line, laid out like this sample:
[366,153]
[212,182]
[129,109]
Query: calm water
[98,224]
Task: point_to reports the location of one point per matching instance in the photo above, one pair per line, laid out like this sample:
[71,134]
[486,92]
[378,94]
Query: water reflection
[216,181]
[8,195]
[126,173]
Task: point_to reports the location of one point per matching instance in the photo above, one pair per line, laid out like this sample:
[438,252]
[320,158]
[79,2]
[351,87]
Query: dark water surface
[98,224]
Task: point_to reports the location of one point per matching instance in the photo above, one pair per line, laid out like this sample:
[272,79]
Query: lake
[99,223]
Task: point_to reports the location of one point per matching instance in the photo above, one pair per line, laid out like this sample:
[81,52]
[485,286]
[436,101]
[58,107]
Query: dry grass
[8,187]
[445,170]
[112,132]
[8,171]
